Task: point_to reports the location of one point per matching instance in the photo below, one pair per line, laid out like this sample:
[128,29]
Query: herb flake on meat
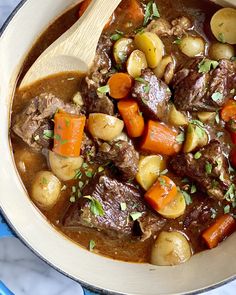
[217,96]
[180,138]
[117,36]
[95,206]
[187,197]
[135,215]
[151,12]
[103,89]
[197,155]
[206,65]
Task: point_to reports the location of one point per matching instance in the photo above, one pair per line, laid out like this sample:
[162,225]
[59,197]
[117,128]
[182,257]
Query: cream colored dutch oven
[202,271]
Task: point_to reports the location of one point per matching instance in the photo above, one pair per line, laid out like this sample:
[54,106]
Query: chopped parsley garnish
[208,168]
[117,36]
[92,244]
[81,184]
[213,213]
[217,96]
[89,174]
[85,165]
[217,118]
[104,89]
[164,172]
[146,88]
[44,181]
[219,134]
[67,122]
[206,65]
[226,209]
[221,37]
[162,181]
[58,138]
[123,206]
[36,138]
[230,194]
[197,155]
[180,138]
[141,80]
[100,169]
[185,180]
[193,189]
[177,41]
[78,174]
[72,199]
[151,12]
[135,215]
[187,197]
[48,134]
[95,206]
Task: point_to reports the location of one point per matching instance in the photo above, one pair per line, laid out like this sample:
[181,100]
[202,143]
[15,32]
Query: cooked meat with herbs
[152,95]
[205,85]
[136,156]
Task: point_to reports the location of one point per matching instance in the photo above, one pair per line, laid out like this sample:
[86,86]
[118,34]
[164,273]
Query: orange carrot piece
[134,11]
[132,117]
[68,134]
[161,139]
[161,193]
[228,112]
[120,85]
[218,231]
[84,5]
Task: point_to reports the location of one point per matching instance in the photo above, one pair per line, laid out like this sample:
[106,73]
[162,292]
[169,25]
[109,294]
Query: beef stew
[139,151]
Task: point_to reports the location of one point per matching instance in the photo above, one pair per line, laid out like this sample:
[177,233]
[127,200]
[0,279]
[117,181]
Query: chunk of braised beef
[123,155]
[163,27]
[194,91]
[116,220]
[199,214]
[152,95]
[210,171]
[30,125]
[94,101]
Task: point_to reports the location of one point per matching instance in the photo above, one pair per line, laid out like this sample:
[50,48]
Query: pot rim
[84,284]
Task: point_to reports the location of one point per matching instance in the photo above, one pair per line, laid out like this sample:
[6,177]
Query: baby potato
[165,69]
[149,170]
[176,118]
[219,51]
[170,248]
[223,24]
[122,49]
[192,46]
[175,208]
[136,63]
[104,127]
[64,167]
[206,116]
[195,137]
[46,188]
[152,46]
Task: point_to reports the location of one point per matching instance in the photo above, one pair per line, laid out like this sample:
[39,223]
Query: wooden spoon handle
[82,38]
[225,3]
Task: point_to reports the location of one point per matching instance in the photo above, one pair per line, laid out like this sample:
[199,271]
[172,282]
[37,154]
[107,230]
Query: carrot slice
[132,117]
[161,139]
[120,85]
[161,193]
[84,5]
[218,231]
[229,111]
[134,11]
[68,134]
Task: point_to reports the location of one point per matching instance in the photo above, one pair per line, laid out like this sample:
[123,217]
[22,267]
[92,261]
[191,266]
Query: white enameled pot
[202,271]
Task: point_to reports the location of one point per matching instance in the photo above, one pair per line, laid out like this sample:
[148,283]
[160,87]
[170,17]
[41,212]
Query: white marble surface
[26,274]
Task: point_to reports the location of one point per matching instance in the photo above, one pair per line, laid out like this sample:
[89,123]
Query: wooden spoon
[75,49]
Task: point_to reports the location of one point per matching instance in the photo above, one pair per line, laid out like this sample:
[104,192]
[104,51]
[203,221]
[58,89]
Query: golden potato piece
[176,118]
[192,46]
[104,127]
[136,63]
[195,137]
[152,46]
[223,25]
[122,49]
[170,248]
[175,208]
[46,189]
[206,116]
[149,170]
[219,51]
